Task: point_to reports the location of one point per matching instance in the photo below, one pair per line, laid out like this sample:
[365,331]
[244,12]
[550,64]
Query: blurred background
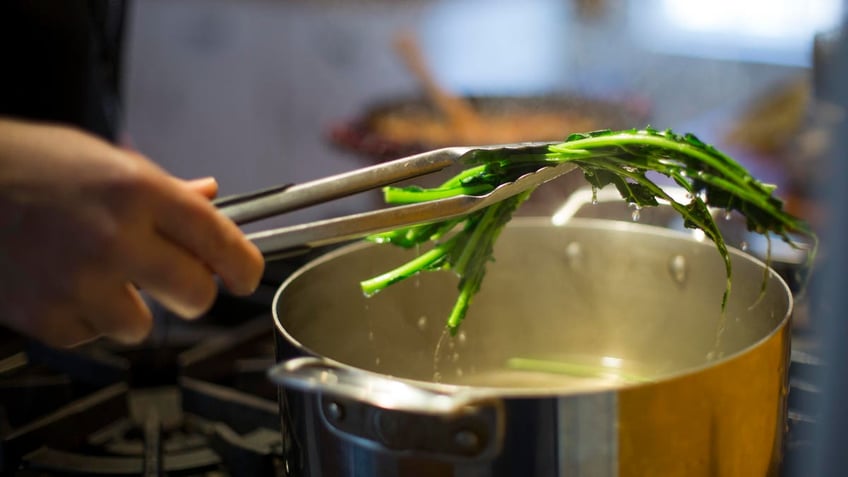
[259,92]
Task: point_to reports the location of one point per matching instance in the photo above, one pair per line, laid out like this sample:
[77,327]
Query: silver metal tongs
[291,240]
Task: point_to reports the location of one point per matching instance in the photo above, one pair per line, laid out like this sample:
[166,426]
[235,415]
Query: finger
[173,277]
[206,186]
[120,313]
[198,227]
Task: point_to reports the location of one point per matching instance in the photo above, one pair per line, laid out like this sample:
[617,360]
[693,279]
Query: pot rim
[484,392]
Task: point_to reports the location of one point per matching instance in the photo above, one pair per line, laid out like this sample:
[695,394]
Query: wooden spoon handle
[458,112]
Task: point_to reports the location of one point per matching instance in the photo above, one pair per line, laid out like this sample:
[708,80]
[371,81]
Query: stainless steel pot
[628,316]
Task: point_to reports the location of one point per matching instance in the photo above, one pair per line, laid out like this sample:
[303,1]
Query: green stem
[403,195]
[728,168]
[751,198]
[460,308]
[424,261]
[457,180]
[474,239]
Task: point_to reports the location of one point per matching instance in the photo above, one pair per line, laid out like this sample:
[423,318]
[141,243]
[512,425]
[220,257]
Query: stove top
[193,400]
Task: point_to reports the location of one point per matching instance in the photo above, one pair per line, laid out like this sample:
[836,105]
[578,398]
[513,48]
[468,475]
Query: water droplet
[677,267]
[594,195]
[437,377]
[636,214]
[711,355]
[437,352]
[422,323]
[377,361]
[370,336]
[459,372]
[574,254]
[728,215]
[455,357]
[462,338]
[743,245]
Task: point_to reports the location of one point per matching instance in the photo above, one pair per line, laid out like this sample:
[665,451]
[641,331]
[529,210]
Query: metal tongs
[291,240]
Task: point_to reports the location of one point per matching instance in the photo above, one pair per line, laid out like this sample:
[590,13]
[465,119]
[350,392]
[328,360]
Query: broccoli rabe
[620,158]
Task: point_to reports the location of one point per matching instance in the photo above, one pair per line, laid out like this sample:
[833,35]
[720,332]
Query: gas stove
[192,401]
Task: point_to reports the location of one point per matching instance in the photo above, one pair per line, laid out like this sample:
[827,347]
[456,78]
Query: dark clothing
[60,60]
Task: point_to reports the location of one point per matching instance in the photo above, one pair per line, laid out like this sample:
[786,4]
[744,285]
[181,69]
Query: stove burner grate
[201,408]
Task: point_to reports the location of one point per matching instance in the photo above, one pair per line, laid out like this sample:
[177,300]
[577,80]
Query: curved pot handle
[321,375]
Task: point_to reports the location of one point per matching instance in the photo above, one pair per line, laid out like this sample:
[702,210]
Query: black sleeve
[60,60]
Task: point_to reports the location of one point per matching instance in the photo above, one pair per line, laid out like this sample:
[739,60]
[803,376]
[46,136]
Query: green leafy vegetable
[618,158]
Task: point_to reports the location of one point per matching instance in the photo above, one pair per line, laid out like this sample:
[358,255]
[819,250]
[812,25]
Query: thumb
[205,186]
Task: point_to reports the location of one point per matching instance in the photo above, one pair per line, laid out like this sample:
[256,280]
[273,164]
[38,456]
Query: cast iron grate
[197,404]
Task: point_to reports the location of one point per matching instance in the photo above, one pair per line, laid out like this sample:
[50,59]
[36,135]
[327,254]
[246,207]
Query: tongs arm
[253,206]
[299,238]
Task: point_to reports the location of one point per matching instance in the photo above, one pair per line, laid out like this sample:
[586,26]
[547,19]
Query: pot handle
[313,374]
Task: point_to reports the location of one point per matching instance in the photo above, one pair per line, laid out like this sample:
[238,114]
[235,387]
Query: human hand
[83,224]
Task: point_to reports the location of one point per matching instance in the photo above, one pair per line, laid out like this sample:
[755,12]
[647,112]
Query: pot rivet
[335,411]
[466,440]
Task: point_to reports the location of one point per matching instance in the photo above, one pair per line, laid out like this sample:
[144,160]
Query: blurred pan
[375,134]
